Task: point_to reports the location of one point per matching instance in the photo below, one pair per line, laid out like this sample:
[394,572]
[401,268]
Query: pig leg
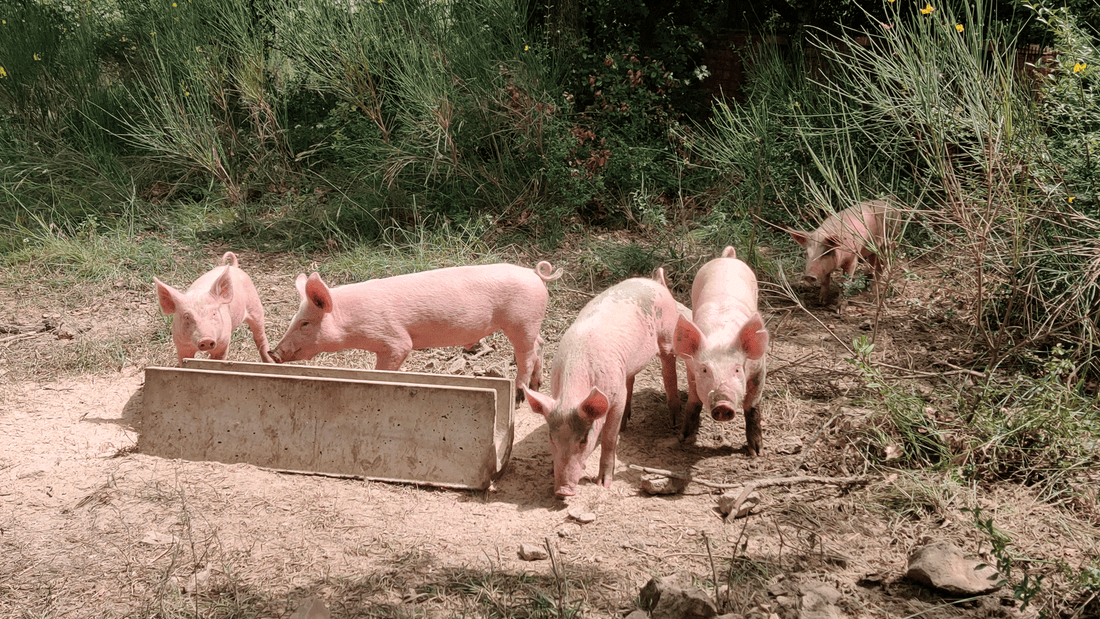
[672,389]
[526,348]
[391,356]
[823,294]
[626,408]
[536,373]
[754,435]
[256,326]
[609,439]
[692,412]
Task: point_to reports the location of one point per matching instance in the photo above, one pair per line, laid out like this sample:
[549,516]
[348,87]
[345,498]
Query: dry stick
[22,336]
[809,446]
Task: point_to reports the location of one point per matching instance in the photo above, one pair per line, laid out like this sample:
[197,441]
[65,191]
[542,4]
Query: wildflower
[526,47]
[3,73]
[891,1]
[173,5]
[37,57]
[927,10]
[152,34]
[1070,199]
[959,28]
[1080,66]
[186,93]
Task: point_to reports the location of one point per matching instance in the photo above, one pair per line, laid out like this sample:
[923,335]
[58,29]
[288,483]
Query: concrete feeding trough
[433,429]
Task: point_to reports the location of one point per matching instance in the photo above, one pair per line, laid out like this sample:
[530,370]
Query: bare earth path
[89,527]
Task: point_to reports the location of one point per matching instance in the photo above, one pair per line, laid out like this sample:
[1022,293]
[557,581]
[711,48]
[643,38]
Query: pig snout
[811,279]
[723,411]
[207,344]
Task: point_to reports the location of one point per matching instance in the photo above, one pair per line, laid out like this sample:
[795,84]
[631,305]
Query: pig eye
[304,324]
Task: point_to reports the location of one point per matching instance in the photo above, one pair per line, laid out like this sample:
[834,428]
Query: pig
[857,233]
[455,306]
[204,317]
[592,377]
[723,344]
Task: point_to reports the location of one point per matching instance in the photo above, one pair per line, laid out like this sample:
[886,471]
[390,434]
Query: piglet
[455,306]
[204,317]
[857,233]
[723,345]
[592,378]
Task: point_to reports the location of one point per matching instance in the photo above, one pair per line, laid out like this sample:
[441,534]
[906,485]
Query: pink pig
[723,345]
[841,241]
[204,317]
[592,379]
[455,306]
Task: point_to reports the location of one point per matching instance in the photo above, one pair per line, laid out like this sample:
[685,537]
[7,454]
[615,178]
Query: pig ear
[300,285]
[168,296]
[687,339]
[222,290]
[754,337]
[594,406]
[730,252]
[317,293]
[799,237]
[541,404]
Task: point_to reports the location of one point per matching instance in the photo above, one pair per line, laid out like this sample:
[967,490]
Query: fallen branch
[6,341]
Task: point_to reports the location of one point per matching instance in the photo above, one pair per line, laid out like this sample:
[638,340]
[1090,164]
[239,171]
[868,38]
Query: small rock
[638,614]
[819,602]
[659,484]
[944,566]
[531,552]
[582,516]
[674,597]
[726,503]
[456,366]
[495,372]
[312,608]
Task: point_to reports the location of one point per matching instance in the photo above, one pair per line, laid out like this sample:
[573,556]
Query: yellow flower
[173,5]
[959,27]
[526,47]
[152,34]
[1070,199]
[37,57]
[927,10]
[3,73]
[891,1]
[1080,66]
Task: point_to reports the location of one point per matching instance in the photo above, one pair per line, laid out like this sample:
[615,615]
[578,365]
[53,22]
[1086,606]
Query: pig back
[614,336]
[446,307]
[724,289]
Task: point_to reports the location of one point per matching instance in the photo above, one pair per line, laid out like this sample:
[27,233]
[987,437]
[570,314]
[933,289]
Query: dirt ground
[91,527]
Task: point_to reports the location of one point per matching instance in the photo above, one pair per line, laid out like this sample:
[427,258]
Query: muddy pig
[455,306]
[857,233]
[204,317]
[592,377]
[723,344]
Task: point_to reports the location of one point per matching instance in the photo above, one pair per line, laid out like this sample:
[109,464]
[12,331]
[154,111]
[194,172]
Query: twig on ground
[7,341]
[808,446]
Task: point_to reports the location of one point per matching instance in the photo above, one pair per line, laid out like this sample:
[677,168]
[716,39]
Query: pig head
[724,346]
[205,316]
[841,242]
